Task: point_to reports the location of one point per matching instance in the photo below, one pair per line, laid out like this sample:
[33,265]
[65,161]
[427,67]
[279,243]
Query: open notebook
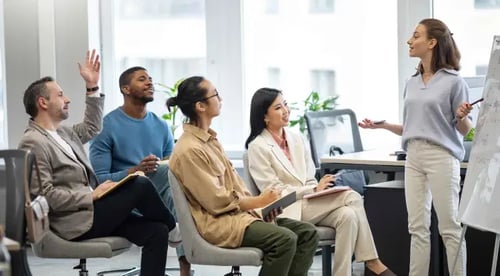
[119,183]
[332,190]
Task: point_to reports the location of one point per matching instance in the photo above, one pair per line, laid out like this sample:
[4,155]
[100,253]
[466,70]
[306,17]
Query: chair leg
[128,271]
[326,257]
[235,271]
[82,266]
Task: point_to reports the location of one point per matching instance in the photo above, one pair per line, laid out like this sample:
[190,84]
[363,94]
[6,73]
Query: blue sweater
[125,141]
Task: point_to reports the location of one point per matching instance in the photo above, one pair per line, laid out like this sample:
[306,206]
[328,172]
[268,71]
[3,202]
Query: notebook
[282,202]
[119,183]
[332,190]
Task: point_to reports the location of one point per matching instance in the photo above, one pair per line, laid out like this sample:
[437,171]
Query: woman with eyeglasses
[220,204]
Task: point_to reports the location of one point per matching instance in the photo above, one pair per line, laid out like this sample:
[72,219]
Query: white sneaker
[174,236]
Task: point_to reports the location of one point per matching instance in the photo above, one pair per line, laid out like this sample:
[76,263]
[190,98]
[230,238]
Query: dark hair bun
[172,101]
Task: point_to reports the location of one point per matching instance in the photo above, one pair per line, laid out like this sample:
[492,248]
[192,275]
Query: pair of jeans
[288,246]
[113,217]
[432,177]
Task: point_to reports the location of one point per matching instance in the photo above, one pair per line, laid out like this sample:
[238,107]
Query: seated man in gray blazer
[69,183]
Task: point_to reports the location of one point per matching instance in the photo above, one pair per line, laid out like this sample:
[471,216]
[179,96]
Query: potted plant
[171,116]
[313,102]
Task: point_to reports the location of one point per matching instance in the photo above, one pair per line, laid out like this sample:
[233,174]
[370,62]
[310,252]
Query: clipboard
[119,183]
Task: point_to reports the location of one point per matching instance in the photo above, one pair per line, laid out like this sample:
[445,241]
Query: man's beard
[143,99]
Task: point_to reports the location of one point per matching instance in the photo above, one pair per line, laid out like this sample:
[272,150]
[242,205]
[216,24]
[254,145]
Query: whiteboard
[480,203]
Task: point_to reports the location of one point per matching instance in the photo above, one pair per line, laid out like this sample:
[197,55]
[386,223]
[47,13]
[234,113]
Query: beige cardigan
[269,166]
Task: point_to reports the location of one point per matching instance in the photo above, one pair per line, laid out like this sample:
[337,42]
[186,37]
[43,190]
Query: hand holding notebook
[119,183]
[281,202]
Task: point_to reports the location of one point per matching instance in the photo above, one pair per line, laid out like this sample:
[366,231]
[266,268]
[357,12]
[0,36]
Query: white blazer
[269,166]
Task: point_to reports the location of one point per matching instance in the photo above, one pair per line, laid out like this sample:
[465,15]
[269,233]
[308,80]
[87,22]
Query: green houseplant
[313,102]
[171,116]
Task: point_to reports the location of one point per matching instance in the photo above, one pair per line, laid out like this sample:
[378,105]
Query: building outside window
[321,6]
[315,51]
[474,36]
[323,82]
[274,77]
[167,37]
[487,4]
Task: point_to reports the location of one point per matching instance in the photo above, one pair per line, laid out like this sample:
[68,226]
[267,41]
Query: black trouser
[113,217]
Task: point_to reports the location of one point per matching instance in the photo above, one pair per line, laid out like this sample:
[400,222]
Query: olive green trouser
[288,246]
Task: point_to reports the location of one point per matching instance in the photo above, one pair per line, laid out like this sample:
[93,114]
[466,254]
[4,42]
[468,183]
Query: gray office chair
[326,234]
[332,132]
[18,168]
[197,249]
[335,132]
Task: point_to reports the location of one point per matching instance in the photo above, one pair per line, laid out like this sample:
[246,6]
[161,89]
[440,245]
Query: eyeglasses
[214,95]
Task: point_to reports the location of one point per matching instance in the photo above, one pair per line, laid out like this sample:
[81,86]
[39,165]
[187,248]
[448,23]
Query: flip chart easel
[479,204]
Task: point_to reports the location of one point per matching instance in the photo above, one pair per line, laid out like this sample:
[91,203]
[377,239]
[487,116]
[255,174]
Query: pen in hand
[477,101]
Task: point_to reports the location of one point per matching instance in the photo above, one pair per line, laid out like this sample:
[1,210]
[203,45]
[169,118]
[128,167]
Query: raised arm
[92,123]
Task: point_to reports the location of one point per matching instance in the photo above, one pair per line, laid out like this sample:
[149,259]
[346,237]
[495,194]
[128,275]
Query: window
[140,9]
[321,6]
[152,34]
[3,111]
[323,81]
[274,77]
[481,70]
[272,6]
[474,38]
[317,52]
[487,4]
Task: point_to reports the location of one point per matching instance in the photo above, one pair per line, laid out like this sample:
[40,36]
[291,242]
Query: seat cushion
[52,246]
[326,235]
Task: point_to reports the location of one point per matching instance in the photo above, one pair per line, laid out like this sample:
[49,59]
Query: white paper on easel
[480,202]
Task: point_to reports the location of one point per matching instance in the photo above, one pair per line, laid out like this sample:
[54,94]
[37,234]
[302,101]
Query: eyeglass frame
[214,95]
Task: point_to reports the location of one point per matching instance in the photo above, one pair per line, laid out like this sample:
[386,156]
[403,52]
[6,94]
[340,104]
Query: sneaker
[174,237]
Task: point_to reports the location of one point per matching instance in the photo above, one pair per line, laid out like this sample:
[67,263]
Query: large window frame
[225,64]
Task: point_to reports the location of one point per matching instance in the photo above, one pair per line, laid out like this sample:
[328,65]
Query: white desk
[371,160]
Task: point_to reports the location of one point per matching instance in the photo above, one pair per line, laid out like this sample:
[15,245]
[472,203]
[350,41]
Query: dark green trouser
[288,246]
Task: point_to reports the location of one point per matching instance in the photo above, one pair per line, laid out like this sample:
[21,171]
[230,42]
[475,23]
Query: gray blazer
[66,181]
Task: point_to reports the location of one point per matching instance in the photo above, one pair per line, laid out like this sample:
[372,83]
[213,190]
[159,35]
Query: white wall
[43,37]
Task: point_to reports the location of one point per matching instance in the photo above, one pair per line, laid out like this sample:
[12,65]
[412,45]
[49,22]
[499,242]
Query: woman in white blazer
[279,157]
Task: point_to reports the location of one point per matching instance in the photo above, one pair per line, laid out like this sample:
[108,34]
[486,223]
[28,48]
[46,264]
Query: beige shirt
[212,186]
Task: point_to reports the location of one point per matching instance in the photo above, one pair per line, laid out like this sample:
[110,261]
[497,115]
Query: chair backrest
[196,248]
[337,128]
[15,166]
[250,183]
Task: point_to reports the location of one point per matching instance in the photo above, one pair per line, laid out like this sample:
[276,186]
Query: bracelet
[93,89]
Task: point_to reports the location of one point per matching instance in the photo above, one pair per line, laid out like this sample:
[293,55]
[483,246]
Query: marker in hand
[478,101]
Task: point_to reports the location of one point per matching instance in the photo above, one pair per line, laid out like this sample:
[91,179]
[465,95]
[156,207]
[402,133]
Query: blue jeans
[160,181]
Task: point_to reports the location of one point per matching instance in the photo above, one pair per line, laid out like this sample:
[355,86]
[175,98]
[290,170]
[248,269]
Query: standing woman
[434,122]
